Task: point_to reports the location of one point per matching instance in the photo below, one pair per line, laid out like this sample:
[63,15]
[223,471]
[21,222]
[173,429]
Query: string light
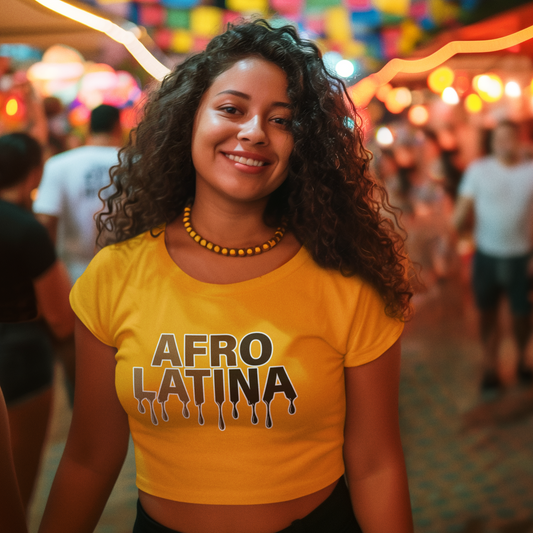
[122,36]
[364,90]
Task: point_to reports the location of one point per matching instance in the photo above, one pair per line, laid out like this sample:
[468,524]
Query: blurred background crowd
[79,93]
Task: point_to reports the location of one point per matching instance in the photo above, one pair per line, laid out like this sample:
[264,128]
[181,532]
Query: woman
[33,284]
[242,284]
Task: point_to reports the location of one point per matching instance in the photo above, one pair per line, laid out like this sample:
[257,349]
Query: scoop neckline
[170,266]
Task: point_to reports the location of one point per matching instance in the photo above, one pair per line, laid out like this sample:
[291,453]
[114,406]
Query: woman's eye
[229,109]
[282,121]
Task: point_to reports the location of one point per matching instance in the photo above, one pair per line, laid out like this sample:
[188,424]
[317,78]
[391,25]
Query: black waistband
[333,515]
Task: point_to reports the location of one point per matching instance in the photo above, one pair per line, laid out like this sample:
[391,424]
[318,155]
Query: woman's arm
[12,516]
[97,442]
[373,453]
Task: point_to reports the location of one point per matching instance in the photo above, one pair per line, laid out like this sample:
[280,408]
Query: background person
[251,372]
[497,193]
[32,283]
[68,195]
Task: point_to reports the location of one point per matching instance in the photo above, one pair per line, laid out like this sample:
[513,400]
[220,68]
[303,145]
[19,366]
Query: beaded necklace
[232,252]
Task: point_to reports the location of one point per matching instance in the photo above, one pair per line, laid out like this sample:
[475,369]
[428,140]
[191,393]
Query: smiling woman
[259,382]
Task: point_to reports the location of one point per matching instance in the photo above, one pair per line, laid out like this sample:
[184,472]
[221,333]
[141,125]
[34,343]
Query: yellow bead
[266,246]
[257,250]
[241,253]
[203,242]
[197,238]
[224,251]
[187,224]
[186,219]
[189,229]
[217,249]
[193,233]
[233,252]
[250,251]
[209,245]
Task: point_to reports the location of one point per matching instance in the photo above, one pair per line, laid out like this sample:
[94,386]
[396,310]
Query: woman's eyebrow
[247,97]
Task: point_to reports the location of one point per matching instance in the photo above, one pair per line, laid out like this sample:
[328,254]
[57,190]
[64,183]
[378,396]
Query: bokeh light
[450,96]
[473,103]
[398,99]
[440,78]
[384,136]
[12,107]
[512,89]
[418,115]
[344,68]
[489,87]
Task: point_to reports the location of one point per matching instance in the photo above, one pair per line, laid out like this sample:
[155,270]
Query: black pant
[333,515]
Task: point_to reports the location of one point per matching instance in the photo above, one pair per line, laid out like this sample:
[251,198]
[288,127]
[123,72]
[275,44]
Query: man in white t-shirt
[68,195]
[497,191]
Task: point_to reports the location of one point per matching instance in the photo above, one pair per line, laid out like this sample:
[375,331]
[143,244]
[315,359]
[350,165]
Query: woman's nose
[253,131]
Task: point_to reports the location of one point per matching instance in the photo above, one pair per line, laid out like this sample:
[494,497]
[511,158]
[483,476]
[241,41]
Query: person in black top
[34,291]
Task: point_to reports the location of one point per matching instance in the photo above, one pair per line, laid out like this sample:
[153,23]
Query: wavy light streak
[363,91]
[125,37]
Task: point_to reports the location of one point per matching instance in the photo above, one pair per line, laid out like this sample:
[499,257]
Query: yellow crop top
[234,393]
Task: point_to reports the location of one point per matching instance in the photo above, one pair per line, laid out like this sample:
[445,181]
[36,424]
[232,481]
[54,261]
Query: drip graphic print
[238,379]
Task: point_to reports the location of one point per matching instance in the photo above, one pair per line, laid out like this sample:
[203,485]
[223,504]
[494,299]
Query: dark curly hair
[333,206]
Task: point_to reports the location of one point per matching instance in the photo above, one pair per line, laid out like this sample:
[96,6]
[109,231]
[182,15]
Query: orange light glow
[473,103]
[366,88]
[440,79]
[12,107]
[398,99]
[418,115]
[489,87]
[384,90]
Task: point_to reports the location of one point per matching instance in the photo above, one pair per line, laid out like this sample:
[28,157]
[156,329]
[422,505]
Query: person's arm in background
[12,516]
[97,442]
[373,454]
[463,214]
[51,290]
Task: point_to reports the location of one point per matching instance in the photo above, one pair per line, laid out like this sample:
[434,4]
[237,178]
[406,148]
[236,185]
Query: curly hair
[333,205]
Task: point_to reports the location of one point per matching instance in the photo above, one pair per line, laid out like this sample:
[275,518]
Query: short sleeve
[373,331]
[38,253]
[48,201]
[91,297]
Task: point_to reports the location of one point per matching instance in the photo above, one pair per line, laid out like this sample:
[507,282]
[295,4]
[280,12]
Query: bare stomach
[200,518]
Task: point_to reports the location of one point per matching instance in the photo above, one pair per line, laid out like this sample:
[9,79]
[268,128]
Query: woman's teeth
[244,161]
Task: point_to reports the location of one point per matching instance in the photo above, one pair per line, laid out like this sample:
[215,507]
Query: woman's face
[241,140]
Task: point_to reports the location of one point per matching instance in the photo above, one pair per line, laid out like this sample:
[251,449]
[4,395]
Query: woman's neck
[231,224]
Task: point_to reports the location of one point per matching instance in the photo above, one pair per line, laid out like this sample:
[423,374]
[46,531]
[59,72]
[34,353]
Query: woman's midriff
[200,518]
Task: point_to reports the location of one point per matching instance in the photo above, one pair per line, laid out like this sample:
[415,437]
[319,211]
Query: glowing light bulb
[344,68]
[384,136]
[450,96]
[12,107]
[512,89]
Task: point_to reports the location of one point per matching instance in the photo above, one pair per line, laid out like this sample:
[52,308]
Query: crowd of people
[239,279]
